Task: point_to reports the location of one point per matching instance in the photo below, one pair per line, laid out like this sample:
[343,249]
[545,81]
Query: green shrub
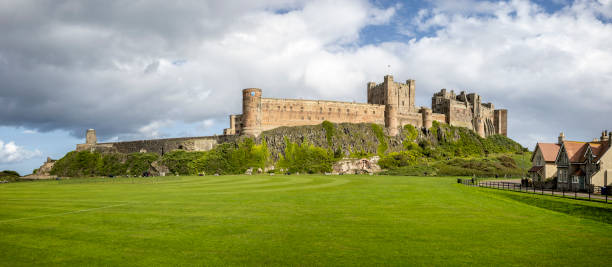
[360,154]
[329,132]
[410,133]
[305,158]
[420,169]
[182,162]
[230,158]
[380,135]
[399,159]
[81,163]
[8,173]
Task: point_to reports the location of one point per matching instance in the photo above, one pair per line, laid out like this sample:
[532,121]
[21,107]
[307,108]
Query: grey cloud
[109,64]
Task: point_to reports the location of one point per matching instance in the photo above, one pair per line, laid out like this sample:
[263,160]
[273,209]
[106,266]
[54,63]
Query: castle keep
[390,103]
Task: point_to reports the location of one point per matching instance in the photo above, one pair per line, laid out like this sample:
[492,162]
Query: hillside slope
[314,149]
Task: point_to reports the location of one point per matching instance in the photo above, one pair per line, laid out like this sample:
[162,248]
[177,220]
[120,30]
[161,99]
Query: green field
[292,220]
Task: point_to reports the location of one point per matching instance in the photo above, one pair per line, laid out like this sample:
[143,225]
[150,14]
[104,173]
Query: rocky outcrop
[357,166]
[44,172]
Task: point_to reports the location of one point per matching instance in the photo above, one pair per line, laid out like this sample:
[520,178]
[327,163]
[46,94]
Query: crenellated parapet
[389,103]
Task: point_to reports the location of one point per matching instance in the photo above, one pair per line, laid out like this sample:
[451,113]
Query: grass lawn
[291,220]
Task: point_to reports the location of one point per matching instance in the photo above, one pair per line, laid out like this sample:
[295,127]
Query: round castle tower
[427,118]
[251,111]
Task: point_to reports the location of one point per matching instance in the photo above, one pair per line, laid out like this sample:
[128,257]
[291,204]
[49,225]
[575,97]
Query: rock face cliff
[347,137]
[363,137]
[44,172]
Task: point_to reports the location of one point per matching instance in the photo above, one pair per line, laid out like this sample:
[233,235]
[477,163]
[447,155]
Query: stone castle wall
[294,112]
[389,103]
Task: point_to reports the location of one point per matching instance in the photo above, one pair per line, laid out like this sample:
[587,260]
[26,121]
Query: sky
[154,69]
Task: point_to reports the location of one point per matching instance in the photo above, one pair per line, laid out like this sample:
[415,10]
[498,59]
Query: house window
[575,179]
[562,176]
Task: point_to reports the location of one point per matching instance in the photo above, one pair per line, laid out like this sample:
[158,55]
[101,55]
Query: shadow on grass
[572,207]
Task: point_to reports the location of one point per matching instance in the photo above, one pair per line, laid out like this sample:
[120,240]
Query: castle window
[329,109]
[402,103]
[373,112]
[365,112]
[347,110]
[338,110]
[320,109]
[278,107]
[290,107]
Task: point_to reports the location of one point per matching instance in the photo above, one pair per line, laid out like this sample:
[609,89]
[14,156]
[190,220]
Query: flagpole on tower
[389,69]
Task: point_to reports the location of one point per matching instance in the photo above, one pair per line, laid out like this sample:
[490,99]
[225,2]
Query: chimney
[561,138]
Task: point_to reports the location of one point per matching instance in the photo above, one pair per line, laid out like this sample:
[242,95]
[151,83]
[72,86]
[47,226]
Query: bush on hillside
[306,158]
[87,164]
[382,142]
[399,159]
[8,173]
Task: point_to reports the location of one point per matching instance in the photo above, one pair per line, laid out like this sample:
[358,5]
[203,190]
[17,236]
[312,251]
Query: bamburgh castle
[390,104]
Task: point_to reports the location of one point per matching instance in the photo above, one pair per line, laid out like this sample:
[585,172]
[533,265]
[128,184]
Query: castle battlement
[389,103]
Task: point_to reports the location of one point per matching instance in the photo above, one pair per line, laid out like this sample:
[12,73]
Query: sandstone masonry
[389,103]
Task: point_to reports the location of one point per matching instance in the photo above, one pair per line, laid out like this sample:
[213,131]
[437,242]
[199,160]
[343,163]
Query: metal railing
[595,196]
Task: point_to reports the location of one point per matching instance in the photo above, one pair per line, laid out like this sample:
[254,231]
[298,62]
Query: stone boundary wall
[160,146]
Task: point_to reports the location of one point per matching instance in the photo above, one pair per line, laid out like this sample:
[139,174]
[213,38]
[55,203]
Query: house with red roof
[543,162]
[578,163]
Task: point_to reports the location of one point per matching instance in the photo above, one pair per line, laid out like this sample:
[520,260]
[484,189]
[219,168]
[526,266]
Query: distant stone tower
[251,112]
[398,98]
[90,137]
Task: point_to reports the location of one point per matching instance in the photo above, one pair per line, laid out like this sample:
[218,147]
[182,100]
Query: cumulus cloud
[548,69]
[12,153]
[131,69]
[122,67]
